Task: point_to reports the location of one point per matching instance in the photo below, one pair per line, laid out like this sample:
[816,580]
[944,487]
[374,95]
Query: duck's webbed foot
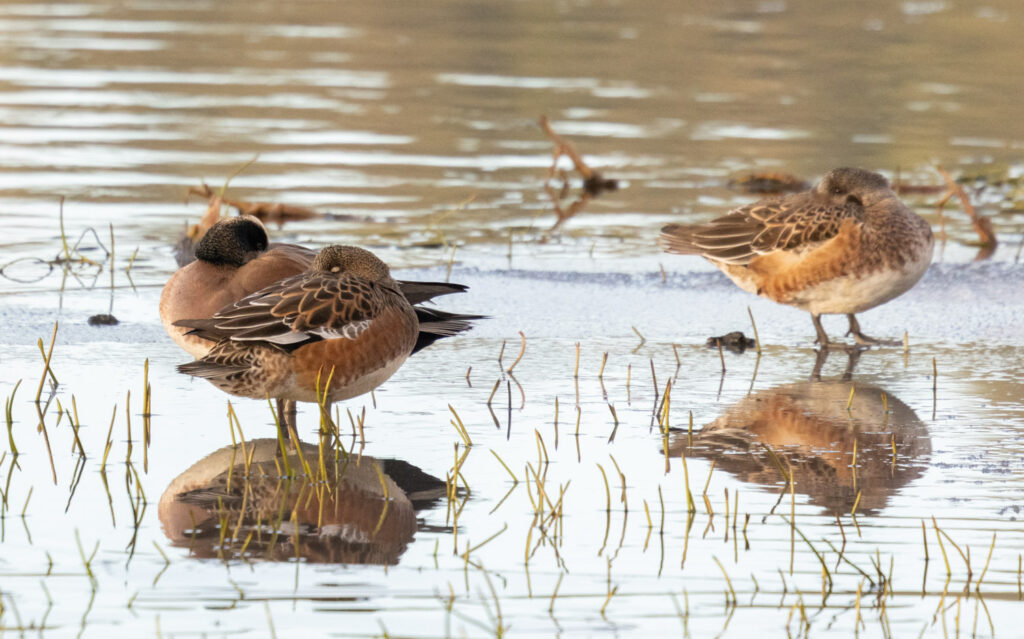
[827,345]
[865,340]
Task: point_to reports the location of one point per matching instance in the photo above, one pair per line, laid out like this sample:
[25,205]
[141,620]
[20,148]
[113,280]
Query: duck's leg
[290,416]
[327,424]
[819,362]
[286,419]
[863,339]
[853,355]
[328,432]
[822,339]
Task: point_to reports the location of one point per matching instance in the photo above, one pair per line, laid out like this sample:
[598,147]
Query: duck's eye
[837,190]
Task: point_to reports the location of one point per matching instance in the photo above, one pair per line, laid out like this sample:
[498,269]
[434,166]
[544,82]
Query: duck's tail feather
[209,370]
[680,238]
[419,292]
[435,325]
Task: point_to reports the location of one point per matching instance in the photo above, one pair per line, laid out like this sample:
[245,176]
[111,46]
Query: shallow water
[416,126]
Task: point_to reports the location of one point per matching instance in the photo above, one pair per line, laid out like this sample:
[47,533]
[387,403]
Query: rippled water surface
[412,127]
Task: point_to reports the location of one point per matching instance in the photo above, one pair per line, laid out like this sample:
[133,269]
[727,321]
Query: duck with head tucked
[233,259]
[843,247]
[236,259]
[336,331]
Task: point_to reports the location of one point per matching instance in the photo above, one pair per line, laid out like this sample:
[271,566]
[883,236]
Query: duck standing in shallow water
[235,258]
[843,247]
[343,327]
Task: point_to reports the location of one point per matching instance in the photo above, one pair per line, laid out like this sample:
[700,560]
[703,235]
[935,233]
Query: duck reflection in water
[806,427]
[364,513]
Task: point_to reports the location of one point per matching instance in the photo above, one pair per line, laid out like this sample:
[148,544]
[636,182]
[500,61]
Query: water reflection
[836,446]
[363,513]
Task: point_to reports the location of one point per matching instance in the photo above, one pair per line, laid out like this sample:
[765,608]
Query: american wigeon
[234,259]
[339,329]
[845,246]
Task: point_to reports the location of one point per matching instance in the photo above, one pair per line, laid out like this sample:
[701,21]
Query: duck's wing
[297,310]
[786,224]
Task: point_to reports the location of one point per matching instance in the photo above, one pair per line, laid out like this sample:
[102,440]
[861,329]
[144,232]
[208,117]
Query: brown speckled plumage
[345,320]
[845,246]
[235,259]
[338,330]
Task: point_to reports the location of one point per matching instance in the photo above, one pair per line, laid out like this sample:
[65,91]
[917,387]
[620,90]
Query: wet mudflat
[418,133]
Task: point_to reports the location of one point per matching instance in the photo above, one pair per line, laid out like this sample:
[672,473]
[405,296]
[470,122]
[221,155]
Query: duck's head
[854,185]
[233,241]
[354,261]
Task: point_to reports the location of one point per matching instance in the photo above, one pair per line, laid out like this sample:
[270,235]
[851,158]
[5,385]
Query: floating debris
[594,184]
[735,341]
[769,183]
[103,319]
[267,212]
[982,223]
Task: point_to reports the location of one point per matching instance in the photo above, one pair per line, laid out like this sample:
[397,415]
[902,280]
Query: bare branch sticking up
[594,184]
[981,223]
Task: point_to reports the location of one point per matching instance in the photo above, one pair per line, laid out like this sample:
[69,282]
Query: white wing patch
[291,337]
[348,331]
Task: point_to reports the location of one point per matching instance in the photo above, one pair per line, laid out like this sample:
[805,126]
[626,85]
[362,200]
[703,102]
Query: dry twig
[981,223]
[594,184]
[267,212]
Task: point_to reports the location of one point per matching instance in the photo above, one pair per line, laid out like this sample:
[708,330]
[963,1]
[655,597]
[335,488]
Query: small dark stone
[103,320]
[735,341]
[596,184]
